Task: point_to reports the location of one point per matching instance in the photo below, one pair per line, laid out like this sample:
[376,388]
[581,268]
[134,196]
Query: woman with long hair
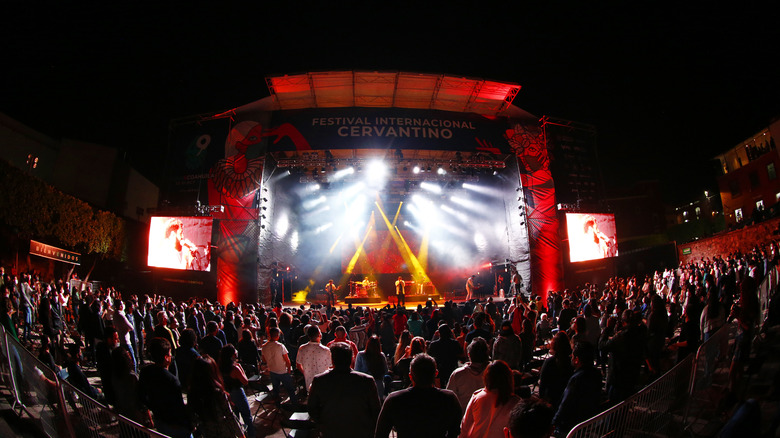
[208,400]
[234,380]
[372,362]
[403,342]
[416,347]
[489,408]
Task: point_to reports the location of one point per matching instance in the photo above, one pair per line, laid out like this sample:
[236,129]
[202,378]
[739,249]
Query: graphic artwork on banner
[539,196]
[195,148]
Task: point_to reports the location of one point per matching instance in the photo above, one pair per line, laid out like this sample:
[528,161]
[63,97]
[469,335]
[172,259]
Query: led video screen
[180,243]
[592,236]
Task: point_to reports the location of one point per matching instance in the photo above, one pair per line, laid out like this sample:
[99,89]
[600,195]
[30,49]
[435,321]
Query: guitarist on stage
[330,294]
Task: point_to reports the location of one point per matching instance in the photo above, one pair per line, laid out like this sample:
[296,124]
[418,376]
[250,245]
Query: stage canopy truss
[341,89]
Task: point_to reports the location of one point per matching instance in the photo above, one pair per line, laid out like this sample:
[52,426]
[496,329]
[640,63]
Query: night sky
[668,87]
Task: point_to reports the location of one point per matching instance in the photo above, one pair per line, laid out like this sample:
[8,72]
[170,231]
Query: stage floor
[378,302]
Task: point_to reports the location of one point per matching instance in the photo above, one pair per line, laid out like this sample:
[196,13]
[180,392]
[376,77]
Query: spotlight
[495,172]
[322,170]
[441,171]
[416,169]
[429,168]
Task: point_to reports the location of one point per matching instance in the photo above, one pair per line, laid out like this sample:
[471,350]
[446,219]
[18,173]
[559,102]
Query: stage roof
[339,89]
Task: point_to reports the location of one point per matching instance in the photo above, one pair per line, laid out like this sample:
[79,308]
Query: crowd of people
[518,367]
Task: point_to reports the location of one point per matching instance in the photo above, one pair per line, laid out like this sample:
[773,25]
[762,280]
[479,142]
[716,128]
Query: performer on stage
[399,291]
[517,283]
[470,287]
[330,293]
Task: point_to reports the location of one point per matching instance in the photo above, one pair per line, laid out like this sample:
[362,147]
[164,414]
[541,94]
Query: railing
[56,406]
[709,380]
[651,411]
[766,288]
[685,399]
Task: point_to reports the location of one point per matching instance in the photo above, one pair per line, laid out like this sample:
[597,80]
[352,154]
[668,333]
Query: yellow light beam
[418,272]
[397,212]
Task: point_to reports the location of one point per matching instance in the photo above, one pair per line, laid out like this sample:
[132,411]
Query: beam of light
[313,187]
[489,191]
[342,173]
[452,229]
[335,244]
[351,191]
[397,212]
[312,213]
[458,214]
[468,204]
[376,173]
[480,242]
[433,188]
[359,249]
[294,241]
[422,255]
[311,203]
[417,270]
[277,177]
[355,211]
[282,224]
[323,227]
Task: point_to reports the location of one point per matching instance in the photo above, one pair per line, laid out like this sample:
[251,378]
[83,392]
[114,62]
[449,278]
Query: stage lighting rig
[206,210]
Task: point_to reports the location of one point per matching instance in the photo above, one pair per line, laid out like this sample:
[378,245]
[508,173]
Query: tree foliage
[39,211]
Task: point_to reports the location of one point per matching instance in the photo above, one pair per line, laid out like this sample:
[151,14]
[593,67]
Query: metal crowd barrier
[710,380]
[56,406]
[91,418]
[650,412]
[36,391]
[766,288]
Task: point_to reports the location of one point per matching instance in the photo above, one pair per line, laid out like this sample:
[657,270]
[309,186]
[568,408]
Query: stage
[412,301]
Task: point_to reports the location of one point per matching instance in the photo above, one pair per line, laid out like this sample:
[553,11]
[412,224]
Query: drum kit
[362,289]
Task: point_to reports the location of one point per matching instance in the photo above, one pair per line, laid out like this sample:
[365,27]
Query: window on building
[753,179]
[698,211]
[770,171]
[760,204]
[738,214]
[734,187]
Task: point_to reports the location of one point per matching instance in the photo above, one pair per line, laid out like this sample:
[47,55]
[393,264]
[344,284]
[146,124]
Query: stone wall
[742,240]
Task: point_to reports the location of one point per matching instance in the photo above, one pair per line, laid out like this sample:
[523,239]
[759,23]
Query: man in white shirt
[279,366]
[313,357]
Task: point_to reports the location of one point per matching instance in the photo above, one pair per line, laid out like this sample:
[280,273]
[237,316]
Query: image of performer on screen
[597,244]
[399,291]
[176,251]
